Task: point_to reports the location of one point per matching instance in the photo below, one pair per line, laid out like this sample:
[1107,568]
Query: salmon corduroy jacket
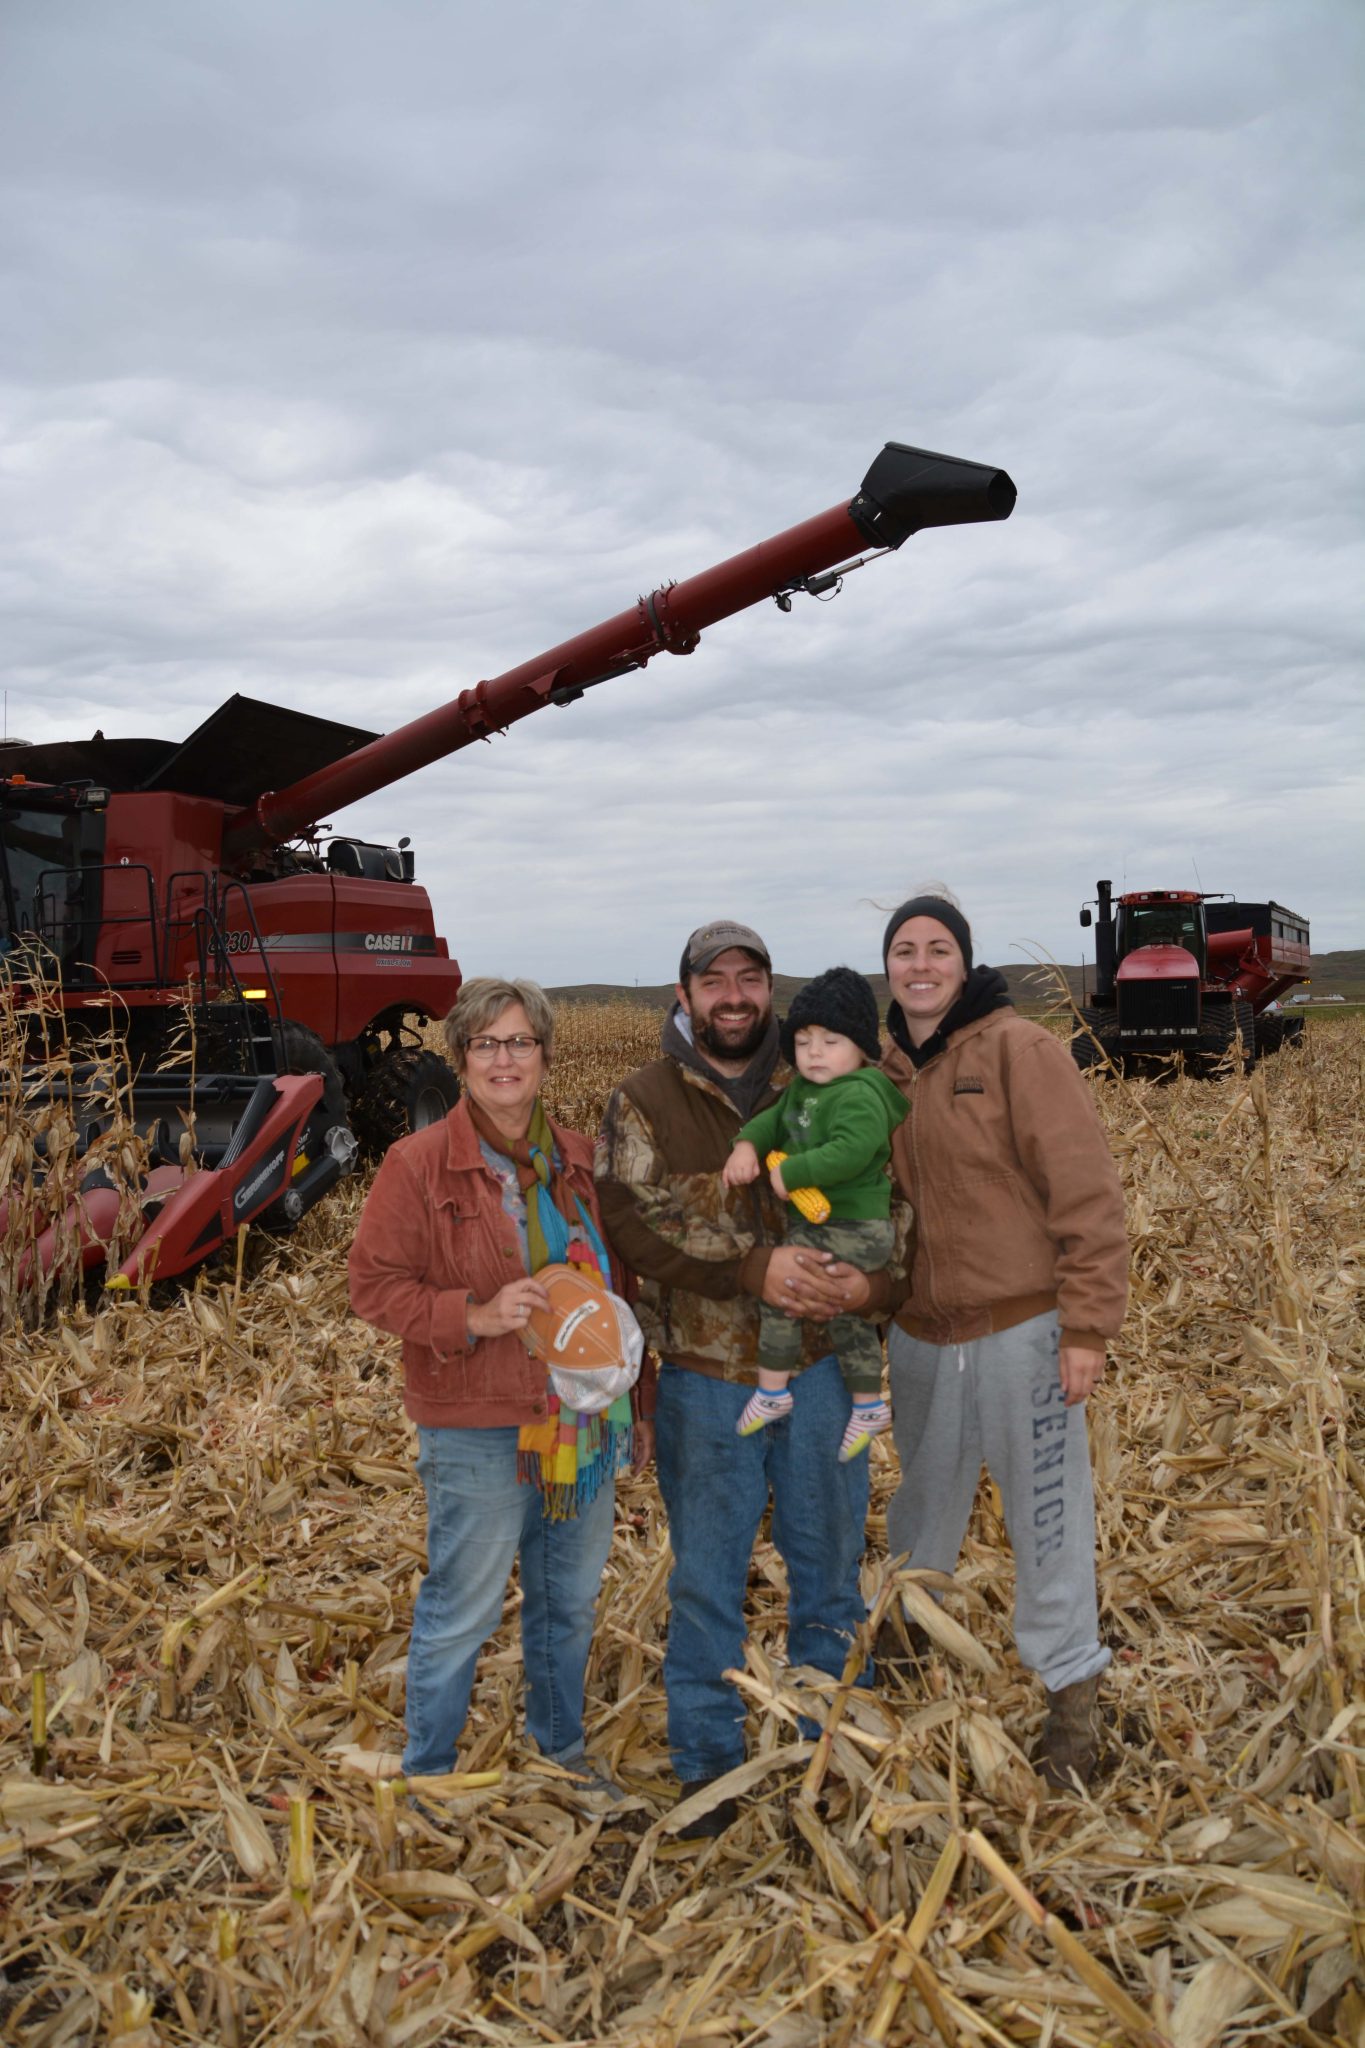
[433,1237]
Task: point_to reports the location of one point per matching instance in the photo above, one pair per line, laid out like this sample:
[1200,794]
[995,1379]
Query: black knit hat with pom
[842,1001]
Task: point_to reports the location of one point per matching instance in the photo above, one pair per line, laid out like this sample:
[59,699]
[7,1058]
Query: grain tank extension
[142,880]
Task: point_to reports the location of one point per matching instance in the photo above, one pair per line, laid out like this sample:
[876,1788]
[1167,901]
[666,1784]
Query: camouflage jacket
[699,1249]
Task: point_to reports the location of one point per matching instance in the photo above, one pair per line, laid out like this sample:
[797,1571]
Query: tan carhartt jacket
[1018,1207]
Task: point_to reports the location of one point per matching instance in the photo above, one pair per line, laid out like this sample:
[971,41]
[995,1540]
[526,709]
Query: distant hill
[1028,986]
[1340,974]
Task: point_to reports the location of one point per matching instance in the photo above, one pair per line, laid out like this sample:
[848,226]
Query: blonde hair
[482,1001]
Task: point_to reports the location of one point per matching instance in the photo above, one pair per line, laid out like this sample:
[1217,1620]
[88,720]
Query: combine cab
[184,893]
[1180,971]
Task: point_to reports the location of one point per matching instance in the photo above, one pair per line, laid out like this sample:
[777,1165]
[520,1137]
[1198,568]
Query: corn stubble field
[211,1540]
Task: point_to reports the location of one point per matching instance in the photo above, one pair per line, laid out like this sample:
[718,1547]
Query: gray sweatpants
[1000,1399]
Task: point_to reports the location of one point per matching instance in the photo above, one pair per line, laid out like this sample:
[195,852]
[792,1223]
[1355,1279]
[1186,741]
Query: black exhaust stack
[1105,963]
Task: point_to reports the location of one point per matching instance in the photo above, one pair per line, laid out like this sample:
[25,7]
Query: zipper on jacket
[914,1155]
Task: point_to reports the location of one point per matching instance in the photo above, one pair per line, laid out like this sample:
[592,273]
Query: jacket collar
[744,1092]
[462,1140]
[898,1066]
[984,992]
[464,1153]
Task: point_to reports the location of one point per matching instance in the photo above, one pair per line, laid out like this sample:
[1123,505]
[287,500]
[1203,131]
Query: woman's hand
[741,1167]
[1080,1372]
[509,1311]
[643,1449]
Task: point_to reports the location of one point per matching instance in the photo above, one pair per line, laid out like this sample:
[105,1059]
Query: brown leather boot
[1073,1734]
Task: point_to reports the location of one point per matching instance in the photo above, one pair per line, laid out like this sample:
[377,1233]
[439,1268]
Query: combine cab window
[48,895]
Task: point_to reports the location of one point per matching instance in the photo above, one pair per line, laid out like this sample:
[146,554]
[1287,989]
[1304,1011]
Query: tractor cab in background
[1162,917]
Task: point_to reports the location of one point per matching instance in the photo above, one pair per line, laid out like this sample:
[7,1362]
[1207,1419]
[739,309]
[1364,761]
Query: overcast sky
[351,353]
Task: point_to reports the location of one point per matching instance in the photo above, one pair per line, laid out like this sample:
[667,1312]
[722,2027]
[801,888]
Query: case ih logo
[388,942]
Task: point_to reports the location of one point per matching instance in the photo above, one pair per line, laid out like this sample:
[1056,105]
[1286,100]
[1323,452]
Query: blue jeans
[715,1486]
[479,1520]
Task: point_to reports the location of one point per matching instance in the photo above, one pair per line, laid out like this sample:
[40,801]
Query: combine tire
[1084,1050]
[300,1051]
[405,1090]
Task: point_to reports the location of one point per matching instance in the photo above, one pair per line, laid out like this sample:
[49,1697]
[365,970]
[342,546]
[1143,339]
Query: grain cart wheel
[1293,1030]
[406,1089]
[300,1051]
[1269,1035]
[1084,1050]
[1246,1024]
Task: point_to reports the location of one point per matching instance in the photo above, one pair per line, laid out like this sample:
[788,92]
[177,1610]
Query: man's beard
[720,1047]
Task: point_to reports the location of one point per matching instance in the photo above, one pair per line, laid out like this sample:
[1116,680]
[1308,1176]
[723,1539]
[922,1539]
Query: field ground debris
[212,1534]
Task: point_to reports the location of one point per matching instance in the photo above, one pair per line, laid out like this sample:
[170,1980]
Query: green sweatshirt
[837,1137]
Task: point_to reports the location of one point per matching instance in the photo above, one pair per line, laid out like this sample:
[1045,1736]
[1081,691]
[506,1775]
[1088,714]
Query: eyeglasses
[521,1047]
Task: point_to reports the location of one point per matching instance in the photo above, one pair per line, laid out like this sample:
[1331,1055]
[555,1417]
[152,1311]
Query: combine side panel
[295,917]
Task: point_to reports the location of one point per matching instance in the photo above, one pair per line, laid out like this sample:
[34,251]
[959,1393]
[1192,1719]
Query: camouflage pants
[854,1341]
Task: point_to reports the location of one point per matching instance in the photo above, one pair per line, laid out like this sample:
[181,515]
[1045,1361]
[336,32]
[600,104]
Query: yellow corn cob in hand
[809,1202]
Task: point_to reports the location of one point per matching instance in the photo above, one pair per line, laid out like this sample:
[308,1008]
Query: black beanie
[841,1000]
[947,914]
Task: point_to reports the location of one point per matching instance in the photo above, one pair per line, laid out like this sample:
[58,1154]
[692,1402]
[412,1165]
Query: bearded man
[706,1256]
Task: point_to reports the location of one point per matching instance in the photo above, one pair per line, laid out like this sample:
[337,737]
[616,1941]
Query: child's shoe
[869,1419]
[762,1408]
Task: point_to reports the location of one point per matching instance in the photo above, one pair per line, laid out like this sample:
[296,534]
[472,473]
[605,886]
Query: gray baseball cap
[709,941]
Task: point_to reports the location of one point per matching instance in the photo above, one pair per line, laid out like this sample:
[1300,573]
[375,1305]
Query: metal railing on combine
[218,981]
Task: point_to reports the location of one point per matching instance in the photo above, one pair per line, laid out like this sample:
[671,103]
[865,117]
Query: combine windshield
[46,887]
[1163,924]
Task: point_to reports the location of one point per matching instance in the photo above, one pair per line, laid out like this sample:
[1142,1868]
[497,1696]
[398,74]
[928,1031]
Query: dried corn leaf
[1218,1991]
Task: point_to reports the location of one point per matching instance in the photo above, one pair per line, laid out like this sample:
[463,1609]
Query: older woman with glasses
[460,1219]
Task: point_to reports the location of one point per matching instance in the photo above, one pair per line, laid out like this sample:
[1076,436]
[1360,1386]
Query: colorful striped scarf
[568,1456]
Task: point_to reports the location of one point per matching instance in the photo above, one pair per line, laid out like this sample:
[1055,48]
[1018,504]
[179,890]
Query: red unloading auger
[905,490]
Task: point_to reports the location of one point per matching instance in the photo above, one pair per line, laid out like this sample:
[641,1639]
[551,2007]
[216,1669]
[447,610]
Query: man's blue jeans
[715,1486]
[479,1519]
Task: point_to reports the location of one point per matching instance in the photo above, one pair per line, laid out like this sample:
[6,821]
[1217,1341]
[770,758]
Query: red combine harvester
[1182,971]
[145,884]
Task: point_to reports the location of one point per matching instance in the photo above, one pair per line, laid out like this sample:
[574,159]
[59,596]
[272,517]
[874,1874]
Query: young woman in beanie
[1019,1277]
[827,1139]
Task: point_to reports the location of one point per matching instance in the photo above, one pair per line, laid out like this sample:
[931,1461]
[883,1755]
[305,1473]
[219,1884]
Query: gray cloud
[349,354]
